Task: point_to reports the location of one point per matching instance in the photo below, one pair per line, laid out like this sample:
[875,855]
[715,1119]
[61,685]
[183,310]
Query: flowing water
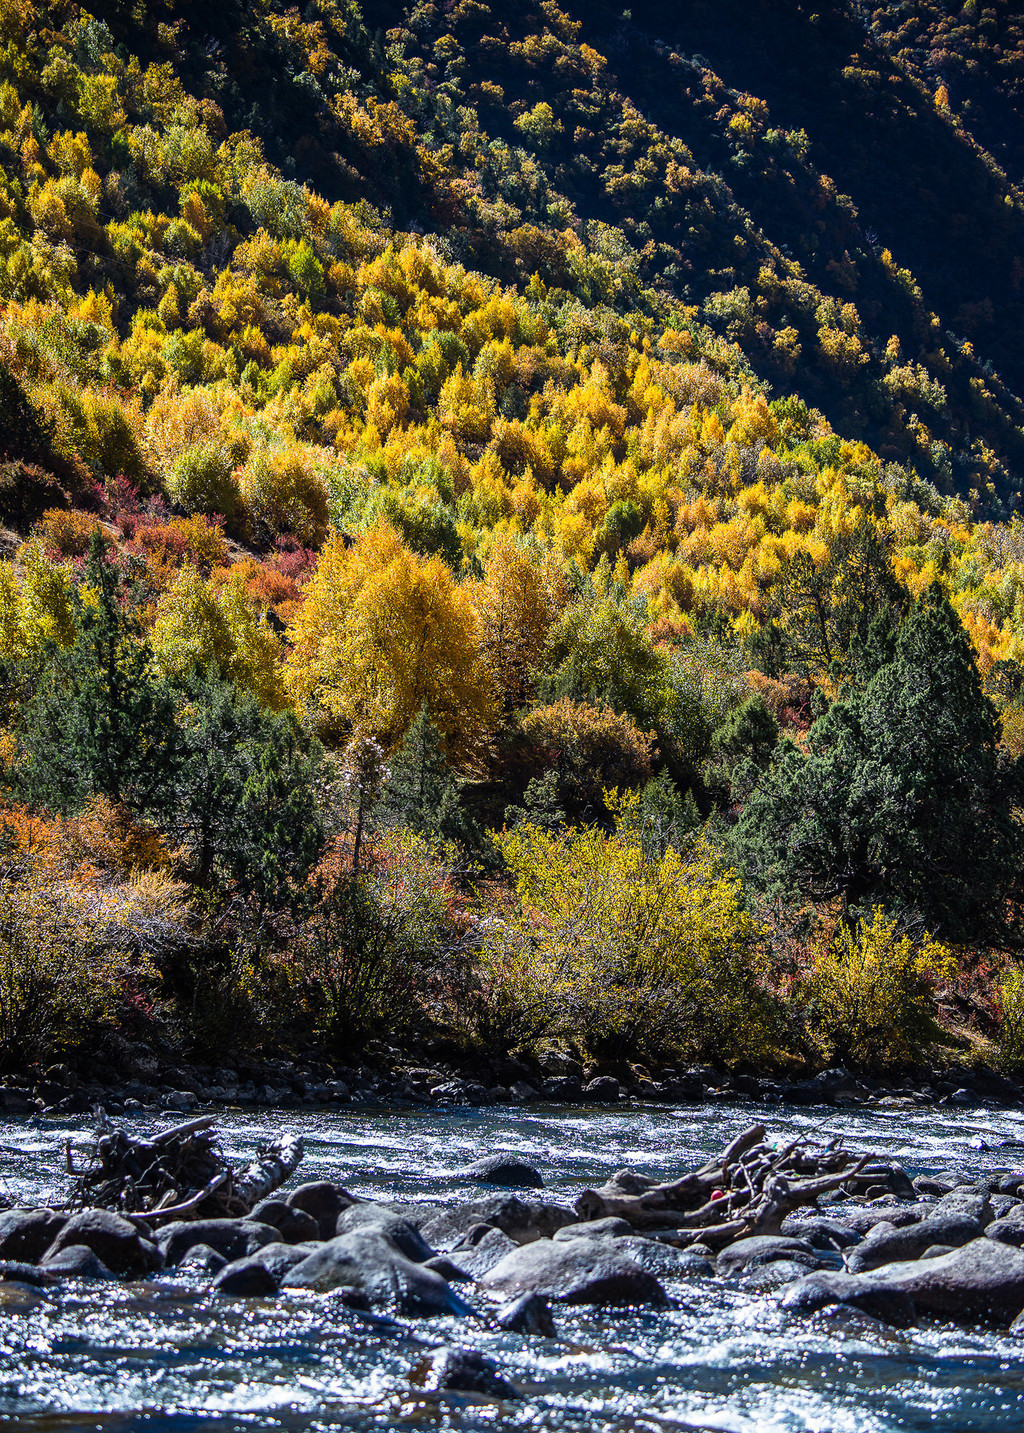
[166,1355]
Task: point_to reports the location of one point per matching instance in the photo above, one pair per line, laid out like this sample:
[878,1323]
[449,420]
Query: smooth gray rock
[981,1282]
[821,1233]
[392,1223]
[529,1314]
[505,1170]
[26,1234]
[610,1228]
[366,1263]
[14,1271]
[322,1200]
[604,1090]
[478,1252]
[246,1279]
[203,1259]
[817,1292]
[762,1249]
[77,1261]
[522,1220]
[464,1370]
[113,1240]
[450,1271]
[779,1274]
[1009,1229]
[577,1271]
[233,1238]
[886,1245]
[294,1225]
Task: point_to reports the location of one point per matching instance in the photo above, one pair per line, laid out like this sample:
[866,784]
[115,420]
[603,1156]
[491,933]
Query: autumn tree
[383,630]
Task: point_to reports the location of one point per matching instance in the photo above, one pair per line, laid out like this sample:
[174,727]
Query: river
[166,1355]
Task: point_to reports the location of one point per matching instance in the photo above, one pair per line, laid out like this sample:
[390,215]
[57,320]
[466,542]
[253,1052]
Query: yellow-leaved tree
[620,952]
[195,626]
[383,631]
[517,603]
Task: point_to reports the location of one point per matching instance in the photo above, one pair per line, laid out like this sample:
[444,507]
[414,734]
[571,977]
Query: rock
[279,1258]
[76,1261]
[324,1201]
[968,1202]
[1009,1229]
[505,1170]
[294,1225]
[610,1228]
[886,1245]
[863,1220]
[233,1238]
[936,1251]
[389,1222]
[204,1259]
[246,1278]
[450,1271]
[576,1271]
[820,1233]
[779,1274]
[564,1090]
[26,1234]
[981,1282]
[14,1271]
[464,1370]
[816,1292]
[522,1092]
[366,1263]
[480,1256]
[112,1239]
[603,1091]
[522,1220]
[762,1249]
[529,1314]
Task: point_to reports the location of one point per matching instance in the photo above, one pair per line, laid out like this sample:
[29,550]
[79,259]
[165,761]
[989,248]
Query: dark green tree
[421,792]
[101,722]
[902,799]
[244,813]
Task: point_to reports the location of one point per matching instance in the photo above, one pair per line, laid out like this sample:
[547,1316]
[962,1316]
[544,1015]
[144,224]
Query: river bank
[150,1081]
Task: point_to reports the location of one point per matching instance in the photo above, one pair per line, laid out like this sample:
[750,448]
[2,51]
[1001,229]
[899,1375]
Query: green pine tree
[902,800]
[101,722]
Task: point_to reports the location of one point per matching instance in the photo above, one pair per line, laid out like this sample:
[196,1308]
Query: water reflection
[166,1356]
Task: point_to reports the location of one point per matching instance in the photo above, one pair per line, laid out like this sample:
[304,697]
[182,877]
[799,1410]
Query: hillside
[427,424]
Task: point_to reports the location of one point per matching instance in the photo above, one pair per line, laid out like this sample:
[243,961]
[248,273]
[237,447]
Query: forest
[509,531]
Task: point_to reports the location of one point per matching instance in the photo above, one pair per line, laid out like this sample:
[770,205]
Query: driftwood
[750,1188]
[178,1174]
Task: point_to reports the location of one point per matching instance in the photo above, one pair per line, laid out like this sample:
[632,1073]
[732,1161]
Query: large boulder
[246,1279]
[820,1233]
[366,1263]
[26,1234]
[521,1219]
[392,1223]
[322,1200]
[295,1226]
[234,1238]
[528,1314]
[482,1248]
[114,1241]
[506,1170]
[981,1282]
[887,1245]
[76,1261]
[577,1271]
[761,1249]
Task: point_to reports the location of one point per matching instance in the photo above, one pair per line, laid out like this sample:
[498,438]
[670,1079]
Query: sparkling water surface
[167,1355]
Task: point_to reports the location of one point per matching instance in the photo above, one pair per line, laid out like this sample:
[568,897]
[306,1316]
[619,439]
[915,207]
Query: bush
[623,953]
[67,534]
[1011,1034]
[75,962]
[284,493]
[200,481]
[359,961]
[870,995]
